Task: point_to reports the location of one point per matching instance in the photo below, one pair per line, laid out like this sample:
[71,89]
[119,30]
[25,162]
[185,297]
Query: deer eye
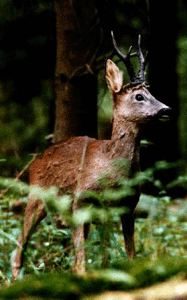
[139,97]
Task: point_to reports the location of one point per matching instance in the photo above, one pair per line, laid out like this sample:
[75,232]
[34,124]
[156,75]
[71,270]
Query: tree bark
[78,38]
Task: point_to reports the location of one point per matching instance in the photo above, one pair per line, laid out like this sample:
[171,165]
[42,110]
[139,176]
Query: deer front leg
[128,233]
[34,213]
[80,256]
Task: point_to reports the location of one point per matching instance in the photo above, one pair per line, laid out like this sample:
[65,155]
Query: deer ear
[114,77]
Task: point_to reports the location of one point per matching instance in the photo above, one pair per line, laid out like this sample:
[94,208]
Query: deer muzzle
[164,114]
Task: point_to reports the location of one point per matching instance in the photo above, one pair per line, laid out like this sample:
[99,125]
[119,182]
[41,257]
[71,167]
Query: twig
[25,168]
[3,192]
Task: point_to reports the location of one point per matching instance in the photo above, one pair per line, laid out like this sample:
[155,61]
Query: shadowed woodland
[52,87]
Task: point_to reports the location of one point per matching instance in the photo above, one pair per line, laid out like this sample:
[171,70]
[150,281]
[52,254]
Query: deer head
[133,103]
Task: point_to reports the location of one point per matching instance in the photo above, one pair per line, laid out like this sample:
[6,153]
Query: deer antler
[126,59]
[142,60]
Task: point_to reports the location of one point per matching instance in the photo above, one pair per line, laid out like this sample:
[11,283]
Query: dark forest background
[52,61]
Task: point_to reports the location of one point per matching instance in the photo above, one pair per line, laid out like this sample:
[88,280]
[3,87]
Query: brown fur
[76,164]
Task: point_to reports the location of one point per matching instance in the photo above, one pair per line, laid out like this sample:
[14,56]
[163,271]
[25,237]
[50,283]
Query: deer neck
[126,142]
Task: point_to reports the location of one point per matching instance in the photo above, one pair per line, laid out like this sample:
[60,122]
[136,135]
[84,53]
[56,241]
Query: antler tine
[119,53]
[142,60]
[124,58]
[139,52]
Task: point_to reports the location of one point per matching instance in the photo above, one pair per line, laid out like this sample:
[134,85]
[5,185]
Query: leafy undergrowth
[161,247]
[64,285]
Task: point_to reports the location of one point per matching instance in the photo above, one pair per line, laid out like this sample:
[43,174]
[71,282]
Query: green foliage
[160,237]
[20,134]
[181,70]
[71,287]
[68,286]
[13,187]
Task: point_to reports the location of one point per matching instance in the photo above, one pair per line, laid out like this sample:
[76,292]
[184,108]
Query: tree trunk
[78,38]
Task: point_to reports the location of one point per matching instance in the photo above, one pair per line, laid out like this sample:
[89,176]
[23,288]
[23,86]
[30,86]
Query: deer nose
[164,114]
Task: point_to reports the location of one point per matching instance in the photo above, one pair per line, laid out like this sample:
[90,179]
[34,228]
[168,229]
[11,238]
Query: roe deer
[62,163]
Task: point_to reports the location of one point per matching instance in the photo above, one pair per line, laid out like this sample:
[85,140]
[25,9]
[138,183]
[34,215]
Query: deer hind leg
[128,233]
[34,213]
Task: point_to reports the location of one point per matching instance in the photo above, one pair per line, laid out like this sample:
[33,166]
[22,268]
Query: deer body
[76,164]
[60,165]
